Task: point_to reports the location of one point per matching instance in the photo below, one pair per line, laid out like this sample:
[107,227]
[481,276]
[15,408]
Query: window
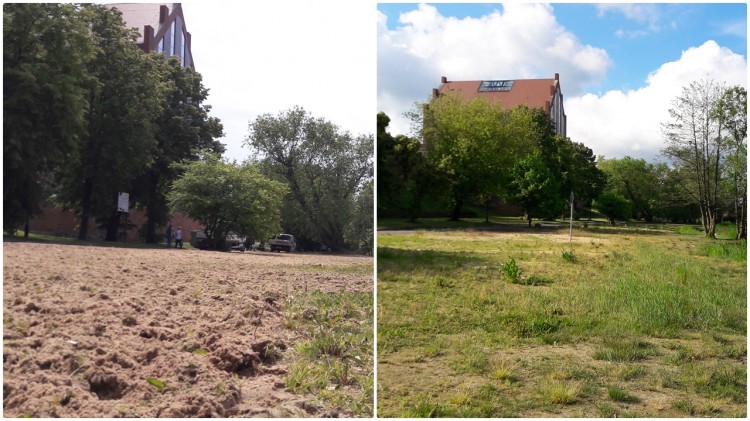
[160,46]
[174,36]
[496,86]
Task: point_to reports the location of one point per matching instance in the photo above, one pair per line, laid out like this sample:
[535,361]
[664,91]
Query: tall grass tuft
[733,250]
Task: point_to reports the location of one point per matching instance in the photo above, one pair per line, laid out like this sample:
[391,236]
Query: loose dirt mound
[115,332]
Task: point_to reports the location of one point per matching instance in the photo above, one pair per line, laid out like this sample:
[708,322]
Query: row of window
[175,44]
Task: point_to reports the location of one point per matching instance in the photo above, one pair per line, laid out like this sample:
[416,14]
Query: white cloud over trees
[520,41]
[628,123]
[526,41]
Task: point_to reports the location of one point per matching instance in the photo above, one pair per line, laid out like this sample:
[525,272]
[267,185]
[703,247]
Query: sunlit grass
[629,292]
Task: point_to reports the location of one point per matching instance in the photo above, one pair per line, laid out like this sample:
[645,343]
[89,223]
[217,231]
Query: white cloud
[639,12]
[620,123]
[521,41]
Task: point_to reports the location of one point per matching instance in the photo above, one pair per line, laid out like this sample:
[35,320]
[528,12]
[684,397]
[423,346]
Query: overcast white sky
[266,57]
[620,65]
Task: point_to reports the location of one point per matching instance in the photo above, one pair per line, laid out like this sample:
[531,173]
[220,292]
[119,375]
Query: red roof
[534,93]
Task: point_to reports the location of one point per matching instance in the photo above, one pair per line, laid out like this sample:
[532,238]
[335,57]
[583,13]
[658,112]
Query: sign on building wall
[123,200]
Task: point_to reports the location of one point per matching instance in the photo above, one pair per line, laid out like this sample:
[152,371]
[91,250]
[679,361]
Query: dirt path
[113,332]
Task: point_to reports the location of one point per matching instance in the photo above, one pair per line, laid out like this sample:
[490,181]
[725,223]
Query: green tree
[613,206]
[123,100]
[182,130]
[323,166]
[533,186]
[473,144]
[359,233]
[693,141]
[226,197]
[639,182]
[572,164]
[45,48]
[404,177]
[731,111]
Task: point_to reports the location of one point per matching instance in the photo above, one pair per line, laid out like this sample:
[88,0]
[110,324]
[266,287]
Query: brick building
[161,27]
[533,93]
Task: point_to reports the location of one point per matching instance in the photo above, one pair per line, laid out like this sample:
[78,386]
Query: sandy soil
[85,328]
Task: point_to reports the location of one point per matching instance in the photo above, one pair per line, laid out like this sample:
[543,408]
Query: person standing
[169,235]
[178,237]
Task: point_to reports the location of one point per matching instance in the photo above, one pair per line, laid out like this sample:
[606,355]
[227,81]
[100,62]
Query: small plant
[511,270]
[605,410]
[559,393]
[156,383]
[504,371]
[569,256]
[619,395]
[630,373]
[684,406]
[444,283]
[220,389]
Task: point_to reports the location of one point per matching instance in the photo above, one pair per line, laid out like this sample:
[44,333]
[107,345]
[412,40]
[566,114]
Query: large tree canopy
[126,93]
[473,144]
[226,197]
[45,51]
[324,167]
[404,176]
[641,183]
[182,130]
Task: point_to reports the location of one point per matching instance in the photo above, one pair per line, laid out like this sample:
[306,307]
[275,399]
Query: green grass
[334,361]
[558,336]
[732,250]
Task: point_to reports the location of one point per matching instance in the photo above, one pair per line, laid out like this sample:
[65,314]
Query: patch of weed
[625,350]
[605,410]
[560,393]
[569,256]
[631,372]
[685,406]
[619,395]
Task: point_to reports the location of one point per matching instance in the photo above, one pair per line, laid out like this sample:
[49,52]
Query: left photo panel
[188,204]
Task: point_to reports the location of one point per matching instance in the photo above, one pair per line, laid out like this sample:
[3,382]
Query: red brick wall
[55,221]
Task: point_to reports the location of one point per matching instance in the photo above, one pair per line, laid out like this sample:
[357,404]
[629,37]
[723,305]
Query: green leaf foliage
[473,144]
[228,197]
[45,50]
[613,206]
[326,169]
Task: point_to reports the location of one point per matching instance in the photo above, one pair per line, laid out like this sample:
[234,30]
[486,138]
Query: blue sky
[616,58]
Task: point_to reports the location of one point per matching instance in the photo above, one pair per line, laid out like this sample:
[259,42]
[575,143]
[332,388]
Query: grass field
[628,322]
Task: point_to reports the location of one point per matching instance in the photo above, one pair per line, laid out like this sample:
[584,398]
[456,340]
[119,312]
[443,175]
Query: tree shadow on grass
[401,260]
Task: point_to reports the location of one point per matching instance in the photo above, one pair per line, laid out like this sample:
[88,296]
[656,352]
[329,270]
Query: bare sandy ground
[114,332]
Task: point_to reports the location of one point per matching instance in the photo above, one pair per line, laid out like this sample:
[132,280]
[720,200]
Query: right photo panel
[561,210]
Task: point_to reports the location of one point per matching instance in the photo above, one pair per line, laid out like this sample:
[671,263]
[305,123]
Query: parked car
[284,242]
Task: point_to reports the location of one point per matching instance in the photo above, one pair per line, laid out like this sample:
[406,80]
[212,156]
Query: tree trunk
[113,226]
[456,212]
[742,223]
[83,228]
[26,228]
